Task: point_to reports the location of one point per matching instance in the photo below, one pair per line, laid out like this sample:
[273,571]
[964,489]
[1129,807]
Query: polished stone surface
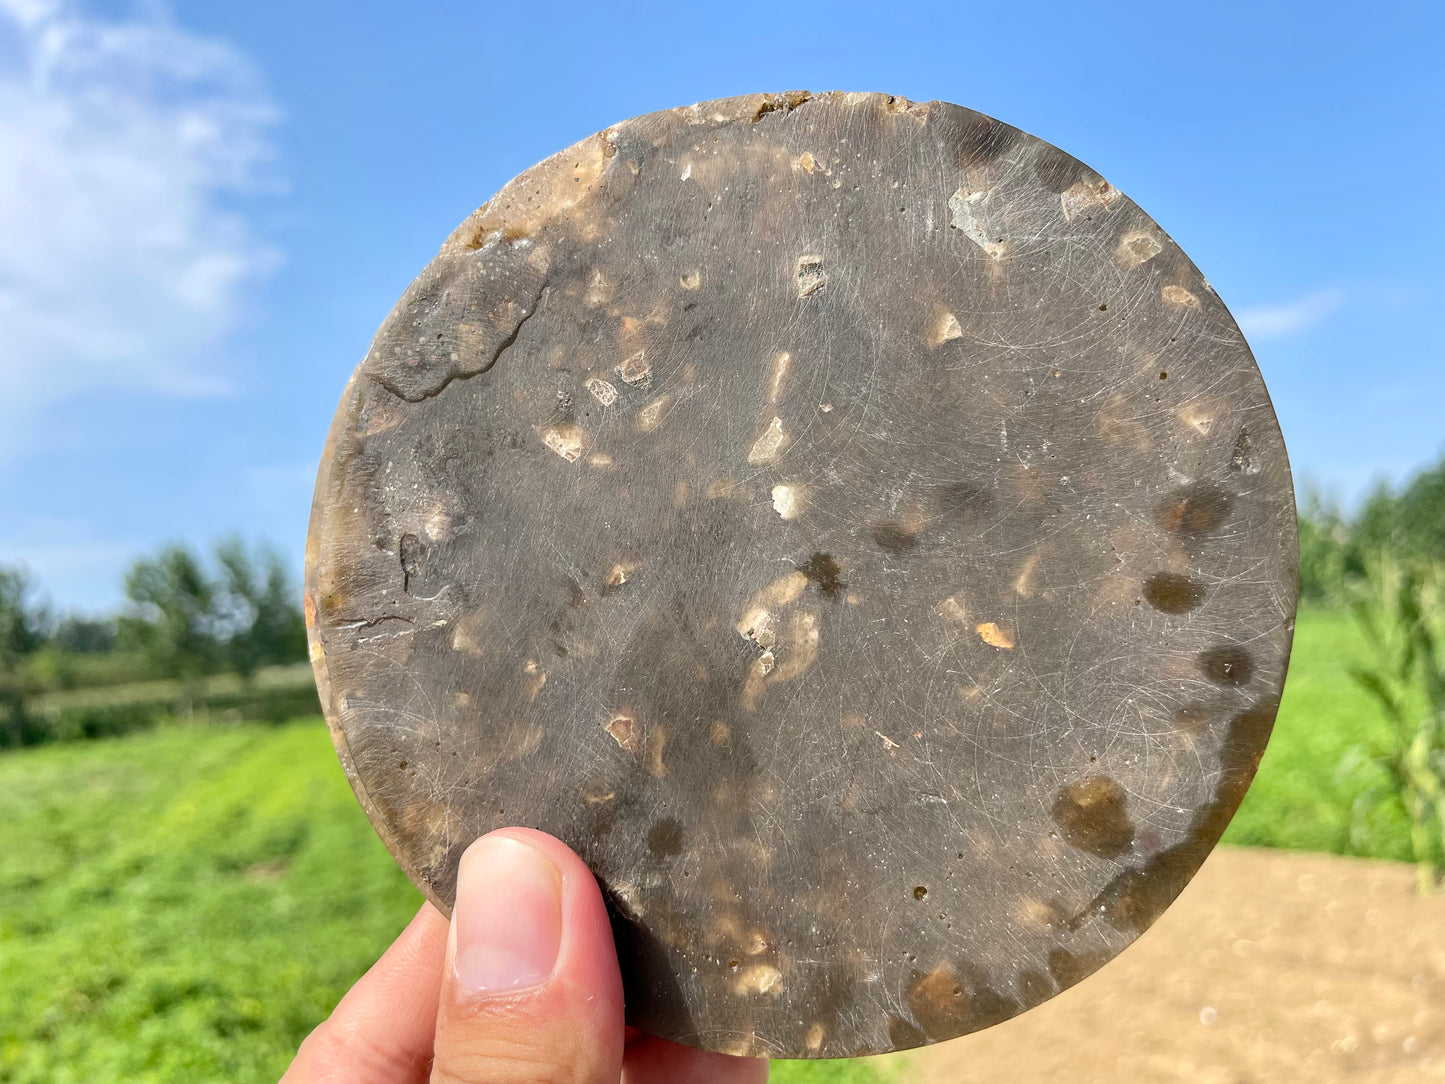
[851,524]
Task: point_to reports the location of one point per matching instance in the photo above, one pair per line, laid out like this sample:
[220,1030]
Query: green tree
[170,617]
[84,635]
[21,633]
[21,621]
[1409,522]
[1420,514]
[257,611]
[1335,549]
[1324,549]
[1375,527]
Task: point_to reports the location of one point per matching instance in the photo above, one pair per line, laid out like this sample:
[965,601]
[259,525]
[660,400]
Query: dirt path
[1272,966]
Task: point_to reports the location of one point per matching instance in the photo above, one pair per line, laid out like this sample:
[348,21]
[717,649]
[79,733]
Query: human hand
[522,987]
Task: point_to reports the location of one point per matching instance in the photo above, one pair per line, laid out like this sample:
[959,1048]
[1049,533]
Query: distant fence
[274,693]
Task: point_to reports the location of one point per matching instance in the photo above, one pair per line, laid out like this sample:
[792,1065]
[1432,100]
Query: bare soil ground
[1271,966]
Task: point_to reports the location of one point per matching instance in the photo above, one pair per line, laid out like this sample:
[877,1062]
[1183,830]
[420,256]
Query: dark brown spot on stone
[920,893]
[1194,509]
[1069,968]
[1133,900]
[903,1035]
[980,138]
[1093,815]
[823,571]
[894,537]
[1227,665]
[1057,170]
[604,820]
[939,1003]
[1172,593]
[951,1000]
[576,597]
[964,500]
[1243,745]
[665,839]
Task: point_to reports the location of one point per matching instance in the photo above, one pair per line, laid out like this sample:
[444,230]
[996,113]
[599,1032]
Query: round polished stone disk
[851,524]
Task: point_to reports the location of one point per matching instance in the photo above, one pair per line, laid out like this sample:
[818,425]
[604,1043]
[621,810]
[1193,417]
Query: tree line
[186,616]
[1337,549]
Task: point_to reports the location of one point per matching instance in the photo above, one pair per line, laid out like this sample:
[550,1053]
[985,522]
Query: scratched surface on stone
[851,524]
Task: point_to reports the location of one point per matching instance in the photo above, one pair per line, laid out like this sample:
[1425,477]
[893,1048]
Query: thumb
[531,993]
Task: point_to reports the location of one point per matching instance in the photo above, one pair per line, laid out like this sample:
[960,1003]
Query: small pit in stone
[920,892]
[411,553]
[811,276]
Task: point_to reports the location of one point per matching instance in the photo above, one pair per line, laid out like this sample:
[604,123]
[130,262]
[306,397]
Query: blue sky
[207,208]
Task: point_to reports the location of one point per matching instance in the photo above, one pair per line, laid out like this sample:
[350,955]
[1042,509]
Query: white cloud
[123,263]
[1291,317]
[28,12]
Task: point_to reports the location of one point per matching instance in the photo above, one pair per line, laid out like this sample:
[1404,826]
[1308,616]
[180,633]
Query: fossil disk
[851,524]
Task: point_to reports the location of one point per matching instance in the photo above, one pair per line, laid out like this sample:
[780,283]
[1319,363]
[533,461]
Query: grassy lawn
[183,905]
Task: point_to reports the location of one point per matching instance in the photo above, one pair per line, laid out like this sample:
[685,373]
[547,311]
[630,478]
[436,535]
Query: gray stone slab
[851,524]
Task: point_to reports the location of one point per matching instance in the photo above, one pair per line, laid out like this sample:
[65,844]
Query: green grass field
[1300,800]
[183,905]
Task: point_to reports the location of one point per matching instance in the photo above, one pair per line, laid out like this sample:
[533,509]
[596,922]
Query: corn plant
[1401,611]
